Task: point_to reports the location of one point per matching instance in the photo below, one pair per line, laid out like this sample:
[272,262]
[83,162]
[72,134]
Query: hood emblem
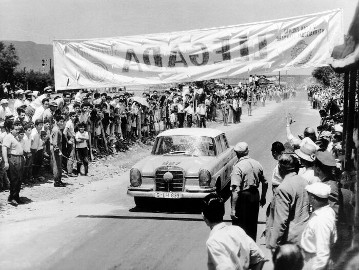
[168,177]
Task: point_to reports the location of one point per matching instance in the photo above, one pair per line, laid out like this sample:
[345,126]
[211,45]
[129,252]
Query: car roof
[208,132]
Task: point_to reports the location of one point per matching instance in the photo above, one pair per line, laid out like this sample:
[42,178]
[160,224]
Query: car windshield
[184,145]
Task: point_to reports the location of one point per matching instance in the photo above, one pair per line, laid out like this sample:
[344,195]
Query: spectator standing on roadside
[246,176]
[324,169]
[69,135]
[82,139]
[228,247]
[4,109]
[19,101]
[26,145]
[320,233]
[201,111]
[39,112]
[12,153]
[56,150]
[290,211]
[37,149]
[306,155]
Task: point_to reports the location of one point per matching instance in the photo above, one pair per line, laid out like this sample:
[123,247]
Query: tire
[141,202]
[225,193]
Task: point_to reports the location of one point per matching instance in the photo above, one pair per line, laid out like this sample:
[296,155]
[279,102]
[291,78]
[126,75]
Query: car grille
[175,185]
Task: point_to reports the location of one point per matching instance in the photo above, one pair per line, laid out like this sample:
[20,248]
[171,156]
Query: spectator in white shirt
[228,247]
[320,233]
[189,114]
[82,139]
[26,145]
[39,112]
[4,109]
[69,135]
[201,111]
[19,101]
[36,149]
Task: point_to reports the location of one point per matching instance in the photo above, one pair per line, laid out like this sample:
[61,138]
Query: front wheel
[141,202]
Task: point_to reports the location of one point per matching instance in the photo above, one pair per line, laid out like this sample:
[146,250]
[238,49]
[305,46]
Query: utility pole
[50,64]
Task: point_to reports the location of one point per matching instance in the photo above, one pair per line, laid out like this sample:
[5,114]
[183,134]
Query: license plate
[168,195]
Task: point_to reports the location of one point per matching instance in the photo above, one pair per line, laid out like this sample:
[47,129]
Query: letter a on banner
[223,52]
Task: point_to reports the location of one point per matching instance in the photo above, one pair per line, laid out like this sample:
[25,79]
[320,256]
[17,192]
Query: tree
[8,62]
[324,75]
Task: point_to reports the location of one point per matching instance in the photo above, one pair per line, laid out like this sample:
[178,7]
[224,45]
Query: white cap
[241,147]
[4,101]
[319,189]
[338,128]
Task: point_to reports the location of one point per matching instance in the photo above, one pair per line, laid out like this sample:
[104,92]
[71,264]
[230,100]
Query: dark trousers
[56,159]
[202,121]
[247,209]
[15,173]
[37,157]
[82,156]
[180,117]
[189,120]
[239,114]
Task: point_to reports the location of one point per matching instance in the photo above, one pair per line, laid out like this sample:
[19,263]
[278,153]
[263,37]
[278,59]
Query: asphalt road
[109,233]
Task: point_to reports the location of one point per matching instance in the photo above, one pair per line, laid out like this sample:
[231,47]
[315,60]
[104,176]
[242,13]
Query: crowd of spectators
[67,130]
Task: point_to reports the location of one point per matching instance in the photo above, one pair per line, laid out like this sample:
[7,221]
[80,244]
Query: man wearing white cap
[246,176]
[4,109]
[320,233]
[19,101]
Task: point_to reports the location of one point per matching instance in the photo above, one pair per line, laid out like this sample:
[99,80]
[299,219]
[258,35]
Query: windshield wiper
[175,152]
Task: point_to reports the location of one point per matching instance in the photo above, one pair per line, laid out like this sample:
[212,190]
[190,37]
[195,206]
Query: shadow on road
[145,217]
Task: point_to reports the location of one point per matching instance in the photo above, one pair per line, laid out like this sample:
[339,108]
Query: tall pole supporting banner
[350,120]
[345,110]
[356,215]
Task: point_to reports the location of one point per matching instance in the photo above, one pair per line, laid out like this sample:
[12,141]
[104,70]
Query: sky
[42,21]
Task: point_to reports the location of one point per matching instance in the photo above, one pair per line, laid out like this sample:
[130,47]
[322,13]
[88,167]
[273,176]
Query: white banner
[255,48]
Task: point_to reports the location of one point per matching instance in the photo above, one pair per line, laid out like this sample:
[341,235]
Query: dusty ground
[100,169]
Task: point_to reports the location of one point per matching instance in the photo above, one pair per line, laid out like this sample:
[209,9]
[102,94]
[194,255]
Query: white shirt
[189,110]
[69,130]
[276,178]
[229,247]
[79,135]
[26,143]
[36,142]
[308,174]
[201,110]
[319,235]
[39,114]
[5,112]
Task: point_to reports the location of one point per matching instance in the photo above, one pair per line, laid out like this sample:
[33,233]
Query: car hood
[190,164]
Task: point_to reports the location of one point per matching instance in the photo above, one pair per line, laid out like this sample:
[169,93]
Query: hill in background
[31,54]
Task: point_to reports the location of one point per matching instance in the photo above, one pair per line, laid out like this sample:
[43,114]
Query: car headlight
[204,178]
[135,177]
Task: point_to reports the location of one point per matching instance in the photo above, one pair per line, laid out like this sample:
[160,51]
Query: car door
[228,159]
[218,169]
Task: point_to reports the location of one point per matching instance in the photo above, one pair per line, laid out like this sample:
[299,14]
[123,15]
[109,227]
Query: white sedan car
[184,163]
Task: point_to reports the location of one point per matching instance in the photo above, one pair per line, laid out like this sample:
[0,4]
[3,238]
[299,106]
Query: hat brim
[304,156]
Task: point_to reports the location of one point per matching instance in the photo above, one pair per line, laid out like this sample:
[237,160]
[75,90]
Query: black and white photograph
[179,134]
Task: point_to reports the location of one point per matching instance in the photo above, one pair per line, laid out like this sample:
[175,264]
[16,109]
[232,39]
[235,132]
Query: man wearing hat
[306,154]
[4,109]
[290,211]
[246,176]
[19,101]
[324,169]
[320,233]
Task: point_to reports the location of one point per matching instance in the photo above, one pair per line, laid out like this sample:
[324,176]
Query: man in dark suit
[290,212]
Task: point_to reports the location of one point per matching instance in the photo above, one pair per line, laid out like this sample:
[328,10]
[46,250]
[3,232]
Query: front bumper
[190,192]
